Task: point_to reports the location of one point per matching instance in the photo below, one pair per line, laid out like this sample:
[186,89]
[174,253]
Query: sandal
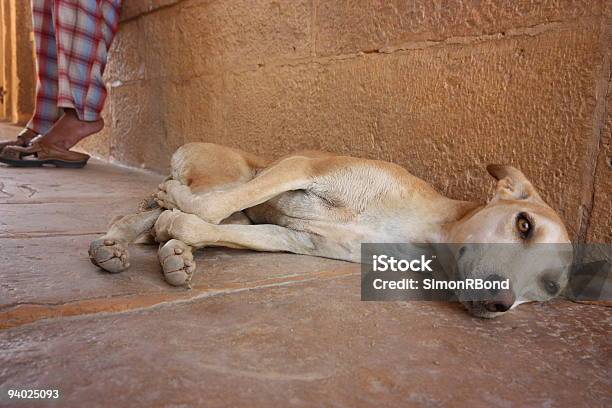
[39,153]
[23,139]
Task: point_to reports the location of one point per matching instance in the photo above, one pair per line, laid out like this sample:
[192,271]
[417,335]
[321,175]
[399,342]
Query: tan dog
[326,205]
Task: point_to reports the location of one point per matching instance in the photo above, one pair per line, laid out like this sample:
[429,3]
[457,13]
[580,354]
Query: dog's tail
[148,203]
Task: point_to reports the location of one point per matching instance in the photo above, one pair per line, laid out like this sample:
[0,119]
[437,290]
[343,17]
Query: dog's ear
[512,184]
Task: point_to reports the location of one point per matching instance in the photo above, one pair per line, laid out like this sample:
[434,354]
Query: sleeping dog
[326,205]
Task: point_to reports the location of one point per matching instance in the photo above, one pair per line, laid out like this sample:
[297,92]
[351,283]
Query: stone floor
[257,329]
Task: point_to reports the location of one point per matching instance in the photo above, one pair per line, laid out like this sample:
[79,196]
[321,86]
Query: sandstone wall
[442,88]
[17,67]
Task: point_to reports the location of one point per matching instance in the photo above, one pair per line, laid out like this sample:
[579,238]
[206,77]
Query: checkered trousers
[72,40]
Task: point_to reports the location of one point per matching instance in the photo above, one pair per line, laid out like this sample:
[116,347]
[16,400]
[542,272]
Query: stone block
[352,26]
[213,37]
[126,59]
[600,222]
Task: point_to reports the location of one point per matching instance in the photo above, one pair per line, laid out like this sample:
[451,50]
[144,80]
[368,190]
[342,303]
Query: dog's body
[320,204]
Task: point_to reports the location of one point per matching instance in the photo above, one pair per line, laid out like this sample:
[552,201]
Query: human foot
[69,130]
[23,139]
[40,154]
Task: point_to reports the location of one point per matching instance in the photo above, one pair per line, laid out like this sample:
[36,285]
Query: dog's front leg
[186,232]
[197,233]
[290,174]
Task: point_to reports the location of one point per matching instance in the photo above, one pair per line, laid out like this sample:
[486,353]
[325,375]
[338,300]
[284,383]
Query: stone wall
[441,88]
[17,67]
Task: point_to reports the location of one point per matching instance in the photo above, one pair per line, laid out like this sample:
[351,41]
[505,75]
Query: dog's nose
[501,299]
[497,306]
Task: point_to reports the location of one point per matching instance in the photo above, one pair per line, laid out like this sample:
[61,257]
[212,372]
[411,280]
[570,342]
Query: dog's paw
[176,259]
[109,254]
[173,195]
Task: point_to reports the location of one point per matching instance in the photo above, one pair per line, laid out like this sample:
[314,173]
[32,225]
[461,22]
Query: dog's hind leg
[110,252]
[292,173]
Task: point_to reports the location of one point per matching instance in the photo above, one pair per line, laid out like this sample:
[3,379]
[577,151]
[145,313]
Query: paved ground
[257,329]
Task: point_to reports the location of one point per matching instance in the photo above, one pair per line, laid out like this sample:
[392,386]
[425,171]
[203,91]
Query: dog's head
[517,237]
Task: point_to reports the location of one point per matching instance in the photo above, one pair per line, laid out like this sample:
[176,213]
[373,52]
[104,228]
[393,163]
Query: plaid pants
[72,40]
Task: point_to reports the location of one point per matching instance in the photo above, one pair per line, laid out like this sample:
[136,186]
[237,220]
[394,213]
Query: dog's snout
[502,298]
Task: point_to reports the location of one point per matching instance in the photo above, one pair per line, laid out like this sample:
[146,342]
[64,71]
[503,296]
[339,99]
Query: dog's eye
[551,287]
[524,225]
